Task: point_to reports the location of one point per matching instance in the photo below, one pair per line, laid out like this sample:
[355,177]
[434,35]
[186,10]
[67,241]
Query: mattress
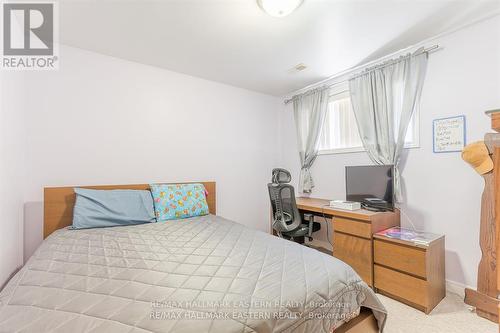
[203,274]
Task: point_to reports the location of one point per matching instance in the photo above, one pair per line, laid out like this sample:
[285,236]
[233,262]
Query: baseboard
[456,288]
[10,277]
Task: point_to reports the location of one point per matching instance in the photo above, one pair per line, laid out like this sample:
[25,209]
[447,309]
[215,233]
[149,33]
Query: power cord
[327,224]
[406,217]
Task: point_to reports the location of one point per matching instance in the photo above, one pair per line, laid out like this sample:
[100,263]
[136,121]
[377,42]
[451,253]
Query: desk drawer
[356,252]
[352,227]
[404,287]
[400,257]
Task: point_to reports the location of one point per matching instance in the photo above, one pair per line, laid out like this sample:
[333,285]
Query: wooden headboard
[59,202]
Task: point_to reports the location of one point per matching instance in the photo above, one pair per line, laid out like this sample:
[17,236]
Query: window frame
[344,88]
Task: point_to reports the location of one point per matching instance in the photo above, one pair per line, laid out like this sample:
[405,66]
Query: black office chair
[287,221]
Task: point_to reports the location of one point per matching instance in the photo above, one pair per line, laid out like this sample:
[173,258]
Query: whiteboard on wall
[449,134]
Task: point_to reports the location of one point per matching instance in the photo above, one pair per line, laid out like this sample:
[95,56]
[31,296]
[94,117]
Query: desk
[352,232]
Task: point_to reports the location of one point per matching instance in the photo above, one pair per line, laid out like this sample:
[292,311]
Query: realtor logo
[29,32]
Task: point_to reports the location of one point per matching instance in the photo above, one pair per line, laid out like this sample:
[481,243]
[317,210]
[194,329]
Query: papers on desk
[416,237]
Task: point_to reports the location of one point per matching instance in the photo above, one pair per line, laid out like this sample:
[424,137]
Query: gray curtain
[384,100]
[309,112]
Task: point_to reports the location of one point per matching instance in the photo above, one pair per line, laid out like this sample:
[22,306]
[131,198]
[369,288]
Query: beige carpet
[451,315]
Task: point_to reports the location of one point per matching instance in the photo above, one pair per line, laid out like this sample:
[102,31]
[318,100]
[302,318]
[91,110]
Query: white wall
[442,192]
[11,175]
[102,120]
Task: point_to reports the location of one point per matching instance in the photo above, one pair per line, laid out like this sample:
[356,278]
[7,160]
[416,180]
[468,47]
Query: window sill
[357,150]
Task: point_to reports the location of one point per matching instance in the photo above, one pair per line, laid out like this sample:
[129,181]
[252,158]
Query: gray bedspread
[204,274]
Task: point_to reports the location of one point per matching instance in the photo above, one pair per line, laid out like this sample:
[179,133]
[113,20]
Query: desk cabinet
[355,251]
[412,274]
[353,239]
[352,233]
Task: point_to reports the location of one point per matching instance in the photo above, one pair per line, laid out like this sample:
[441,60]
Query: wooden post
[485,298]
[497,213]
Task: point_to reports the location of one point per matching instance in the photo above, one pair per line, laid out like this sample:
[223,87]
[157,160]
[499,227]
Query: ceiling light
[279,8]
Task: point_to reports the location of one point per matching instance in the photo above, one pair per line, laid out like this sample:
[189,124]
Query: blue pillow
[109,208]
[177,201]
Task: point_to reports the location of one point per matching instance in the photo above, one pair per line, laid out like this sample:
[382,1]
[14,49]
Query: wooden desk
[352,232]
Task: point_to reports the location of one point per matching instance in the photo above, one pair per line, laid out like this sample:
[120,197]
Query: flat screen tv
[372,185]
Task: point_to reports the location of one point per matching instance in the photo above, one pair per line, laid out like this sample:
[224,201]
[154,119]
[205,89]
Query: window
[340,131]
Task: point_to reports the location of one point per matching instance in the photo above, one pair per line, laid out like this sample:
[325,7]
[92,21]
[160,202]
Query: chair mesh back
[285,212]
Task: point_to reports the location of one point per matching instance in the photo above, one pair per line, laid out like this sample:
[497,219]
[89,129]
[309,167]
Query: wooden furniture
[352,232]
[497,212]
[495,119]
[485,298]
[410,273]
[365,322]
[59,202]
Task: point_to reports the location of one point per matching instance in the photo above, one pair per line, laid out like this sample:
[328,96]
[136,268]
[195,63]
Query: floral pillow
[177,201]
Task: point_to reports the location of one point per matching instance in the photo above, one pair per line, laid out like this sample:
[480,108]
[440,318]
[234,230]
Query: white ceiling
[234,42]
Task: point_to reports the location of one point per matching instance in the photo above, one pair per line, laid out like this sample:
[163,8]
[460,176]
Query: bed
[202,274]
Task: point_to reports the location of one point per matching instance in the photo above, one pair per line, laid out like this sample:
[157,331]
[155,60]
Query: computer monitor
[372,185]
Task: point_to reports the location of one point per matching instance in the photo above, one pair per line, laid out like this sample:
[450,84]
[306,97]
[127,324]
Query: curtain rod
[377,63]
